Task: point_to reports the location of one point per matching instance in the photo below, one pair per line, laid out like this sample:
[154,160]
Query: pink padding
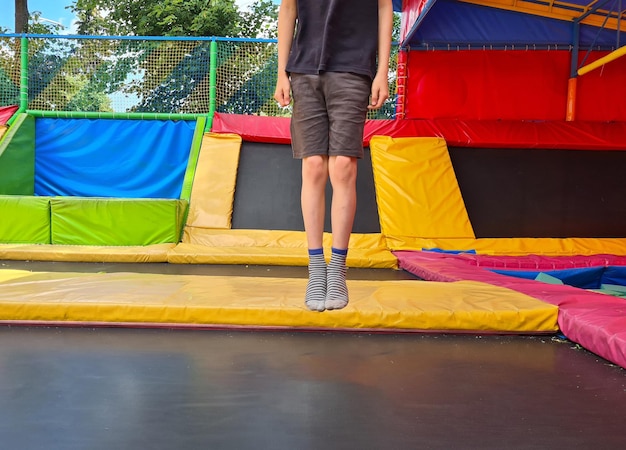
[595,321]
[457,133]
[6,112]
[538,262]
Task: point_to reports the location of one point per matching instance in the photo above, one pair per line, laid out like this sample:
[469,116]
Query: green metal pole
[212,84]
[23,80]
[24,76]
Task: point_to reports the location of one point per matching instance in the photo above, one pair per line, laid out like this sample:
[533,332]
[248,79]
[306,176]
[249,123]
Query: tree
[21,16]
[157,17]
[260,21]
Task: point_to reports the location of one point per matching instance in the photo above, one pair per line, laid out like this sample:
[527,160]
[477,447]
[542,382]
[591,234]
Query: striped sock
[316,287]
[337,291]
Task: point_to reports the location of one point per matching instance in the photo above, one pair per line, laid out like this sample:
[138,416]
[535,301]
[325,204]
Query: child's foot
[336,288]
[316,287]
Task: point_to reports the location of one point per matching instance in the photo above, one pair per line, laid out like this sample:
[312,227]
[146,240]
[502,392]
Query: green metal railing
[142,77]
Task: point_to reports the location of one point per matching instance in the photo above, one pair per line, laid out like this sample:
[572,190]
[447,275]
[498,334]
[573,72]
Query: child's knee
[315,167]
[344,169]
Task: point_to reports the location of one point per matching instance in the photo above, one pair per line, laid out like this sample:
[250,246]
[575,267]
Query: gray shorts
[329,112]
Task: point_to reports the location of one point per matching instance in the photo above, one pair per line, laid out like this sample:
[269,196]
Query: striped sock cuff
[340,251]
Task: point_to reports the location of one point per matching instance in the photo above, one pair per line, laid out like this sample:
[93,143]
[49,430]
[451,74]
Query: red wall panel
[510,85]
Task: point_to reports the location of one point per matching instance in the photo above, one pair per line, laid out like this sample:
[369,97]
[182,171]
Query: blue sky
[54,10]
[50,9]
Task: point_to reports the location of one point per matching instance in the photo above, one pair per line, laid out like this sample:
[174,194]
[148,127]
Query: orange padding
[266,302]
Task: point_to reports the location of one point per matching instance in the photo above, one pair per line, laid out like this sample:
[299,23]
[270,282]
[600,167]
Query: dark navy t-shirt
[335,36]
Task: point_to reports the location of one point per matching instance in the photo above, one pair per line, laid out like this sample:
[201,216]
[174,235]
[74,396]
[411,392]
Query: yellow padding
[276,238]
[85,253]
[269,302]
[416,189]
[273,247]
[213,190]
[274,256]
[7,275]
[516,246]
[3,129]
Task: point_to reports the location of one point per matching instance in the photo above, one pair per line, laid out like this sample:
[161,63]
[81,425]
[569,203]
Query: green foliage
[157,17]
[175,18]
[37,25]
[260,21]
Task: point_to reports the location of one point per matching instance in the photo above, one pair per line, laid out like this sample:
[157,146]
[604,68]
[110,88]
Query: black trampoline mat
[267,191]
[86,388]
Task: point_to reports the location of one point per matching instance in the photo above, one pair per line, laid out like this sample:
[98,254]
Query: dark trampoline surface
[120,388]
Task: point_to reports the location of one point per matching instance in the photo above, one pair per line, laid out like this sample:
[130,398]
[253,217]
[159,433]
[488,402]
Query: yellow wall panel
[417,190]
[213,192]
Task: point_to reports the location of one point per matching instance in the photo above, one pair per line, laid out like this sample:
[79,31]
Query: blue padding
[615,275]
[583,278]
[111,158]
[456,23]
[451,252]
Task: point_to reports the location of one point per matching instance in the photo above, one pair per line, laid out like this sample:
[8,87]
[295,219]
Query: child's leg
[314,177]
[343,172]
[313,196]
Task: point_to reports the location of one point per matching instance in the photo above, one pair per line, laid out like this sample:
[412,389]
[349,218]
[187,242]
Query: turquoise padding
[111,158]
[116,222]
[24,219]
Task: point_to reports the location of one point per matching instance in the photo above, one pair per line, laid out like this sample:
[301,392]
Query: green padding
[17,158]
[115,221]
[24,220]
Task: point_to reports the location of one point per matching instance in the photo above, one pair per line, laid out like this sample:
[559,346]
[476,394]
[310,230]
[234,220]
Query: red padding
[6,112]
[511,85]
[457,133]
[596,321]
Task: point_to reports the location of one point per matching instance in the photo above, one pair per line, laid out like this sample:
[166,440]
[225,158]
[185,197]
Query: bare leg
[312,198]
[314,178]
[342,170]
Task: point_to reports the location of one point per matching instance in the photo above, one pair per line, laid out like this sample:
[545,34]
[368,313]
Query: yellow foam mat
[213,191]
[416,189]
[3,129]
[8,275]
[274,247]
[275,256]
[516,246]
[85,253]
[268,302]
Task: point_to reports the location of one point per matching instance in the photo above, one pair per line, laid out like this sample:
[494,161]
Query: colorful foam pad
[208,239]
[212,194]
[421,206]
[275,247]
[115,221]
[416,189]
[25,219]
[259,302]
[17,158]
[595,321]
[155,253]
